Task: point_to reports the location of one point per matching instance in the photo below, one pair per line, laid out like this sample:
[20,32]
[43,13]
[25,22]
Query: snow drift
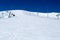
[28,26]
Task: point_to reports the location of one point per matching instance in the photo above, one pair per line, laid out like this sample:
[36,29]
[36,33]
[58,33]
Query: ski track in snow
[29,27]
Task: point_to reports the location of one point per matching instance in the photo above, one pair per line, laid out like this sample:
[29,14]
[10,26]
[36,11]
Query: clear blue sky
[31,5]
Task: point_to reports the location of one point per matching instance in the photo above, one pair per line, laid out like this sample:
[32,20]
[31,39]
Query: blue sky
[31,5]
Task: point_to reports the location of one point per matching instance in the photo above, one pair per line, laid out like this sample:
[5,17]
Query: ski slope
[25,26]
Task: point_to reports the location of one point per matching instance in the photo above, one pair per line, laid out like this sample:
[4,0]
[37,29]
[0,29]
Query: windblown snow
[29,26]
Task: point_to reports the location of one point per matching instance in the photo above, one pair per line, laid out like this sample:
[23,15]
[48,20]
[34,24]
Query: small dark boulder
[13,14]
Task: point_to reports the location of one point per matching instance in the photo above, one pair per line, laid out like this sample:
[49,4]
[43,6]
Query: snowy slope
[25,26]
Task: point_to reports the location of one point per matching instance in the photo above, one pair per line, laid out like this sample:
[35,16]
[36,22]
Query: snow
[28,26]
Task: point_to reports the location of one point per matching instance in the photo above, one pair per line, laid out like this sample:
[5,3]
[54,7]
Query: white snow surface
[28,26]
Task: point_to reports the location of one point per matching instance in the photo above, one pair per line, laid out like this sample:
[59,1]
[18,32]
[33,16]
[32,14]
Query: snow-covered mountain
[29,26]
